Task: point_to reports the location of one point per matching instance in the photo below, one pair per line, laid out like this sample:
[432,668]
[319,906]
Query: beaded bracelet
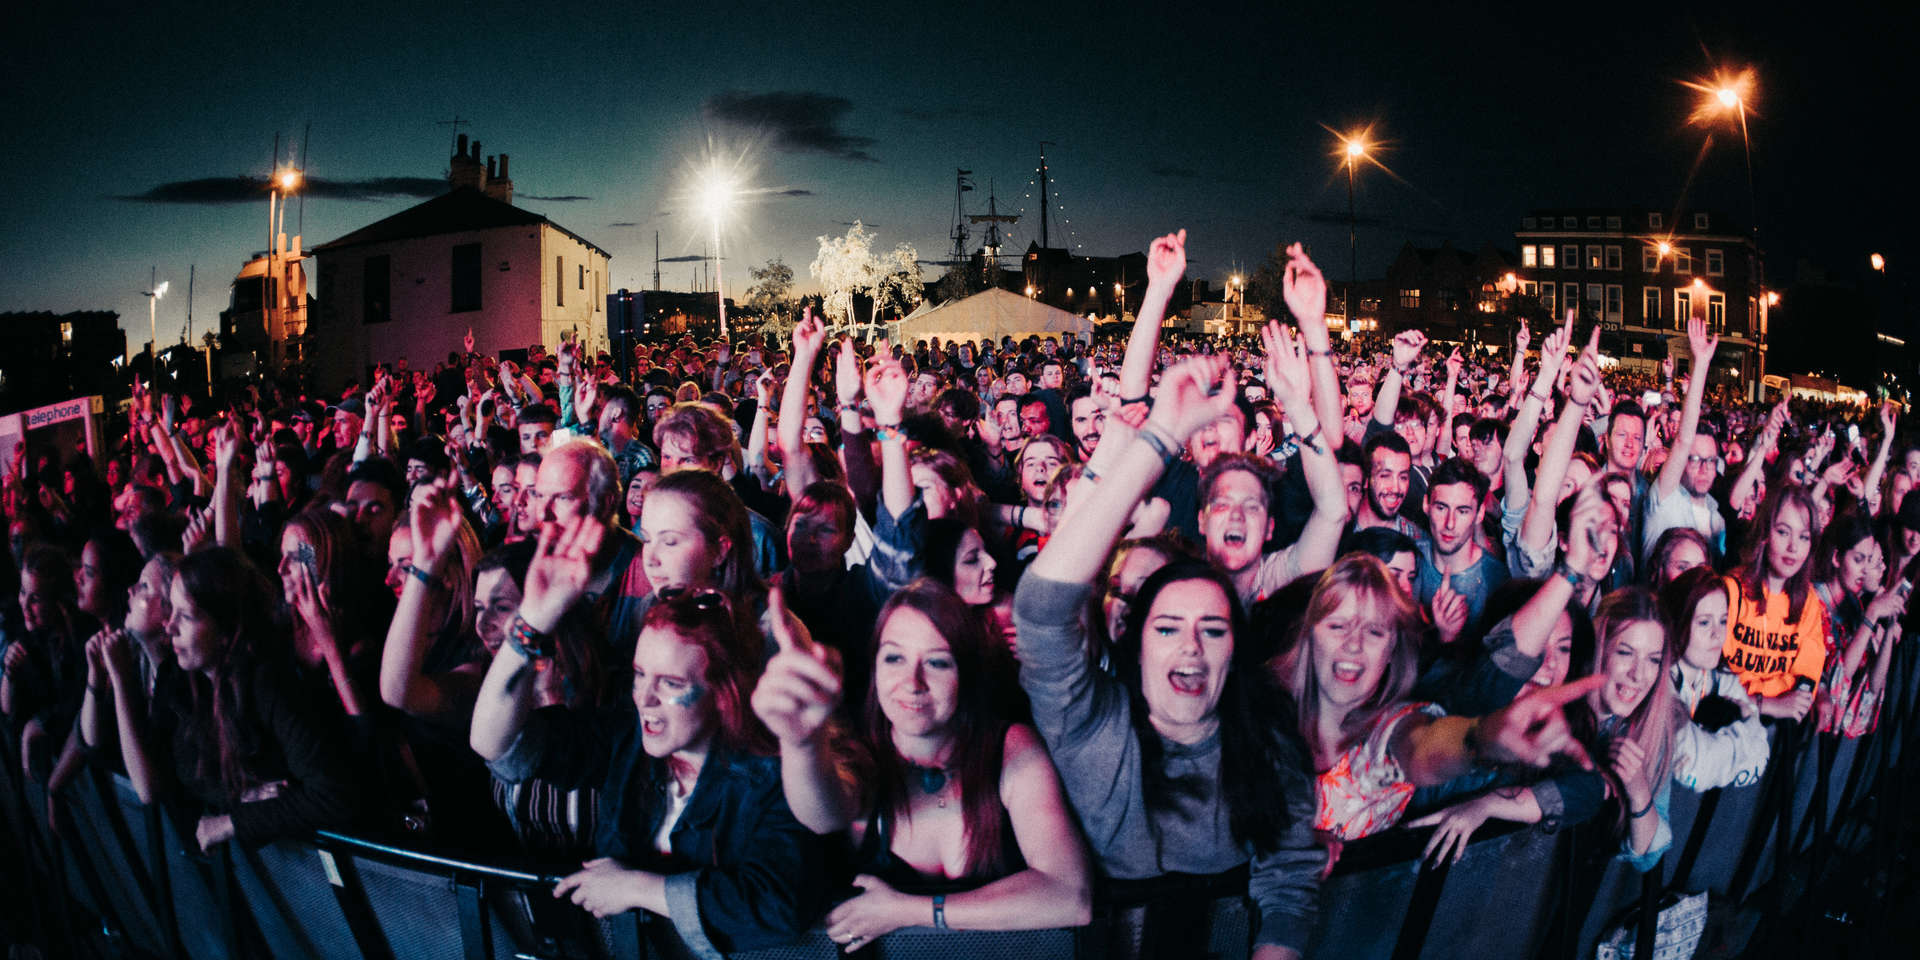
[526,641]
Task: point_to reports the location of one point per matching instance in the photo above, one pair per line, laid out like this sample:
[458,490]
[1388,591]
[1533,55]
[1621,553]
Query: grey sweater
[1085,718]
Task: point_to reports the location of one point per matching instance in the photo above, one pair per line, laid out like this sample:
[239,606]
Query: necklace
[933,781]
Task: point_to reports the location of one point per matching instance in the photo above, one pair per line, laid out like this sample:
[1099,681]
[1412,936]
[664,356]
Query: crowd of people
[959,629]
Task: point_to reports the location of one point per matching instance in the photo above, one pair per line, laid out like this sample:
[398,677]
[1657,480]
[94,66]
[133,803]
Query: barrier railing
[124,879]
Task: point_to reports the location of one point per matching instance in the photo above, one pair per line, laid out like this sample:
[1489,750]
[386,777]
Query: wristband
[528,642]
[421,574]
[940,911]
[888,432]
[1574,578]
[1542,397]
[1643,811]
[1168,453]
[1319,353]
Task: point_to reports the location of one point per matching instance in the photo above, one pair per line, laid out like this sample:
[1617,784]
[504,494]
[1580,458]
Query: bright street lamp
[1878,262]
[1354,149]
[715,197]
[153,329]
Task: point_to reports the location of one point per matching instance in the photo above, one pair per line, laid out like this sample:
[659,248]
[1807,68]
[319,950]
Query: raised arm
[1537,532]
[1166,265]
[757,436]
[1454,362]
[886,385]
[795,698]
[1290,377]
[226,496]
[1407,345]
[1526,422]
[808,337]
[1193,393]
[557,577]
[1305,291]
[1889,418]
[111,654]
[1682,446]
[404,683]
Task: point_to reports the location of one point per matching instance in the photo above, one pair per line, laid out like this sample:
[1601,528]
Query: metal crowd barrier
[121,879]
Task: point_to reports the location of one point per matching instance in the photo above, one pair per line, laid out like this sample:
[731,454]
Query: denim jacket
[743,874]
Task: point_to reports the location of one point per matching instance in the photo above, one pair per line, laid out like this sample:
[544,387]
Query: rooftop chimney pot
[476,150]
[462,151]
[503,167]
[489,168]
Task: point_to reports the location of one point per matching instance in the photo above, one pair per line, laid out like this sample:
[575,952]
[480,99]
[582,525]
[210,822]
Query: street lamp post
[716,198]
[1356,151]
[154,292]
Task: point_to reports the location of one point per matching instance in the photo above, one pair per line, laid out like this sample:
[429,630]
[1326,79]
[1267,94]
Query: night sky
[126,126]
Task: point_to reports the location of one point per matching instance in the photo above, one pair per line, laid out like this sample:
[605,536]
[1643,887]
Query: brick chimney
[499,187]
[464,169]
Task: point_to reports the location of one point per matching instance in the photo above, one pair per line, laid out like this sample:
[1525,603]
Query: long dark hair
[979,724]
[233,597]
[1258,748]
[716,509]
[1756,566]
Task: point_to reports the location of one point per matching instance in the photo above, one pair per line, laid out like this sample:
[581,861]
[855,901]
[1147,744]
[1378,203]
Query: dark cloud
[689,258]
[247,189]
[798,121]
[794,193]
[564,198]
[623,223]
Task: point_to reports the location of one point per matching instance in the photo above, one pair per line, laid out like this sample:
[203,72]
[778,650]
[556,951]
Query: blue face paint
[687,697]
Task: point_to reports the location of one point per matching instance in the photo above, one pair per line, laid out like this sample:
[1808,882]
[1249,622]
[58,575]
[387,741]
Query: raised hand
[467,341]
[1522,340]
[809,335]
[801,685]
[763,389]
[199,530]
[226,449]
[1305,291]
[562,565]
[1889,416]
[1702,346]
[1454,362]
[987,428]
[1666,369]
[886,385]
[1584,380]
[1167,260]
[435,525]
[1288,375]
[1593,533]
[846,373]
[1407,345]
[1193,393]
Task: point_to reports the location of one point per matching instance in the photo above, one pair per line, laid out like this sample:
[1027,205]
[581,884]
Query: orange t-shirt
[1768,653]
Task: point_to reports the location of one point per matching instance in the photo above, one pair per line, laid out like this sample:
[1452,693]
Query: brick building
[1641,273]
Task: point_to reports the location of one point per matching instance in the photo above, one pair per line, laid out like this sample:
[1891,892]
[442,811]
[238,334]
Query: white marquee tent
[990,314]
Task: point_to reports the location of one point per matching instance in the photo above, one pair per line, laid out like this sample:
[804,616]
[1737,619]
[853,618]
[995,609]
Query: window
[1616,302]
[1410,299]
[1547,299]
[1613,223]
[1650,306]
[1596,300]
[1649,259]
[1529,288]
[1593,223]
[599,295]
[1613,256]
[1594,261]
[1716,262]
[559,281]
[583,276]
[1700,221]
[1569,297]
[1653,221]
[1569,223]
[1529,255]
[1546,255]
[1717,311]
[1682,308]
[466,277]
[1529,223]
[1682,260]
[1569,257]
[66,332]
[376,287]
